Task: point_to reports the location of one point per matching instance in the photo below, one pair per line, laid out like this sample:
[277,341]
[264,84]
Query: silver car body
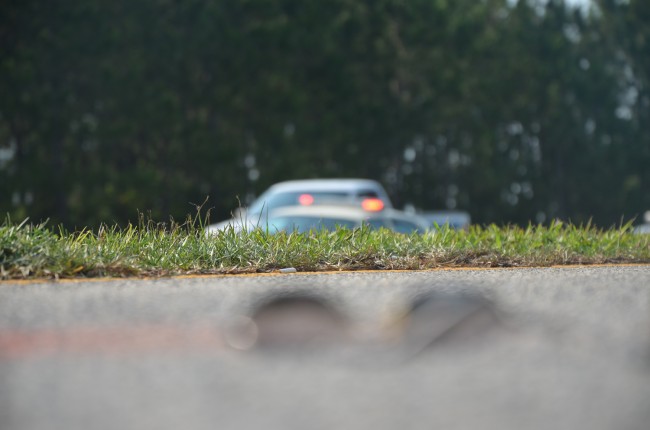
[328,217]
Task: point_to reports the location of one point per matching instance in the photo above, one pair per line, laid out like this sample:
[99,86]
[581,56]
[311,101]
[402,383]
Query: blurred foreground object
[297,321]
[446,319]
[303,322]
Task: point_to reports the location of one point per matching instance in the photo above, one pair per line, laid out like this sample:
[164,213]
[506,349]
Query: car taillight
[372,205]
[306,199]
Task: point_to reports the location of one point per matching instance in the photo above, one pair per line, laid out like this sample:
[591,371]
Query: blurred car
[308,192]
[305,218]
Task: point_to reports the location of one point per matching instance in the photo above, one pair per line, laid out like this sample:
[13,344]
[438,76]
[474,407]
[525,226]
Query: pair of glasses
[303,322]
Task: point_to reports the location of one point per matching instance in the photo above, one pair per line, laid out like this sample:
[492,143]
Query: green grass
[29,251]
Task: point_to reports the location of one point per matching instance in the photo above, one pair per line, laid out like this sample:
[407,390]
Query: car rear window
[293,199]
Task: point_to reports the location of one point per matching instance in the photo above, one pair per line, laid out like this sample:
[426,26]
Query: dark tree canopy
[514,111]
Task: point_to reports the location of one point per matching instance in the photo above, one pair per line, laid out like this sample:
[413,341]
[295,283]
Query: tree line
[516,111]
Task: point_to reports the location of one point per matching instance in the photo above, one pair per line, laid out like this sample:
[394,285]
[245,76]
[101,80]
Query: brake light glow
[372,205]
[306,199]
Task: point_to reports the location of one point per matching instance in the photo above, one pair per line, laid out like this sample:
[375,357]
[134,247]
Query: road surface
[551,348]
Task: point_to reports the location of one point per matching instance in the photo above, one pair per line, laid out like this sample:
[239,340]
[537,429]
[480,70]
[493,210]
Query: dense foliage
[512,110]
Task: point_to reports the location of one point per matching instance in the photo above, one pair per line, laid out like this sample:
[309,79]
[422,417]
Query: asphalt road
[491,349]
